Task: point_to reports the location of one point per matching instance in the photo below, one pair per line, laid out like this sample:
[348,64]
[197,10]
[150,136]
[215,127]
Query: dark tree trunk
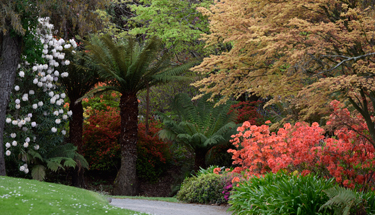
[147,109]
[75,137]
[10,54]
[126,182]
[200,159]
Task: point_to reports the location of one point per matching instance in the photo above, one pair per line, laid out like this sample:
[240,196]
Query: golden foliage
[308,50]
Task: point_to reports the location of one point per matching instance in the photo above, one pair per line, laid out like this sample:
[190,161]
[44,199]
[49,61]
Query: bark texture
[126,182]
[75,136]
[200,159]
[10,52]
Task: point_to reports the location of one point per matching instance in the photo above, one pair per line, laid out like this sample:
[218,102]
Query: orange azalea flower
[235,179]
[268,122]
[217,170]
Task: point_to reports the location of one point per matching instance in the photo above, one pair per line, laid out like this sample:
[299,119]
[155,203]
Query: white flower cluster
[45,77]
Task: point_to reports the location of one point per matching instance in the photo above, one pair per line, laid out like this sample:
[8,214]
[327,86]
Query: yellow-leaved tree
[308,52]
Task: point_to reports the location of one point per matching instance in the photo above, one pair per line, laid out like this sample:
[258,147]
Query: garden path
[169,208]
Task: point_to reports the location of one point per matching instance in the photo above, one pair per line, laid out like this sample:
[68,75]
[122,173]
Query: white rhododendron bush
[36,118]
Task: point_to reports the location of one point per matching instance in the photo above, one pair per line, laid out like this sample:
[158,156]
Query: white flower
[27,139]
[53,129]
[67,62]
[26,171]
[64,74]
[57,121]
[25,145]
[65,117]
[63,132]
[27,119]
[21,74]
[40,104]
[7,145]
[16,88]
[35,68]
[14,122]
[67,46]
[22,168]
[36,147]
[56,73]
[14,143]
[33,124]
[35,106]
[49,85]
[25,98]
[7,152]
[24,129]
[56,113]
[35,81]
[52,100]
[61,111]
[18,106]
[40,84]
[30,115]
[70,113]
[51,93]
[13,135]
[31,92]
[20,124]
[8,120]
[57,96]
[17,101]
[58,102]
[62,95]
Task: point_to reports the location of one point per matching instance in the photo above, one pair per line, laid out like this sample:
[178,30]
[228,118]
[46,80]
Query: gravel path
[169,208]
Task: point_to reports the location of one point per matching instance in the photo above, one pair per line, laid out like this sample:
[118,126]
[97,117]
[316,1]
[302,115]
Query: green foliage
[345,201]
[129,66]
[177,23]
[201,126]
[208,170]
[280,194]
[205,189]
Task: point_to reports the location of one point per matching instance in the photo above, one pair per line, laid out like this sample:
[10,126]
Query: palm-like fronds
[343,200]
[200,126]
[130,66]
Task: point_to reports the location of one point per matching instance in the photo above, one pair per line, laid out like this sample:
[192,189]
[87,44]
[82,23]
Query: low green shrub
[346,202]
[281,194]
[205,189]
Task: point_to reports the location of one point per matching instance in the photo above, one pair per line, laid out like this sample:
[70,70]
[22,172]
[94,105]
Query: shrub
[102,150]
[280,194]
[247,111]
[304,148]
[205,189]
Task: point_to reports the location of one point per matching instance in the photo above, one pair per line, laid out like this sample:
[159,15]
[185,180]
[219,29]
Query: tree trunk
[147,109]
[9,59]
[126,182]
[75,137]
[200,159]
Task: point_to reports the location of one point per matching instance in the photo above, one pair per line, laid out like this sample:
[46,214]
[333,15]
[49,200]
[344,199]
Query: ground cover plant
[281,193]
[23,196]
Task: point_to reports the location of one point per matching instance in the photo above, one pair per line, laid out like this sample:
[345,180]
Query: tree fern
[343,200]
[200,126]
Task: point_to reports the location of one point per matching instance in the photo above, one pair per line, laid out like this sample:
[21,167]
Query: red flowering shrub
[247,111]
[349,158]
[100,138]
[102,150]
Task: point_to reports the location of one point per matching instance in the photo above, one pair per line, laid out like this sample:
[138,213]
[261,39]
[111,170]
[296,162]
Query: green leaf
[38,172]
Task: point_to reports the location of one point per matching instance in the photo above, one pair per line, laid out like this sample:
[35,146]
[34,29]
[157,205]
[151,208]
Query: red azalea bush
[102,150]
[349,158]
[100,138]
[247,111]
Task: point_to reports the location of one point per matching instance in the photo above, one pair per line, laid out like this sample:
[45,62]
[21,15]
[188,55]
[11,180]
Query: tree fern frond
[343,199]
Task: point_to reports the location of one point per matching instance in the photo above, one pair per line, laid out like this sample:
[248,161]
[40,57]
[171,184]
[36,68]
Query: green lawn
[23,196]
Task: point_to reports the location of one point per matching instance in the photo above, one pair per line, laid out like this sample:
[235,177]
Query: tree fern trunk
[75,136]
[200,159]
[126,182]
[10,52]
